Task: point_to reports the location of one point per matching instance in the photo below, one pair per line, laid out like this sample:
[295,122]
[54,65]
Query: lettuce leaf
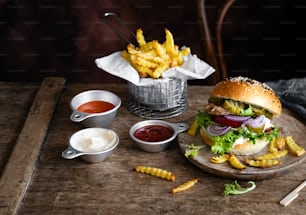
[223,144]
[192,150]
[234,188]
[204,119]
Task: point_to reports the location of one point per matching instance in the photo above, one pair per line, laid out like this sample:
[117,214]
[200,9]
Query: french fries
[274,155]
[219,158]
[157,172]
[279,148]
[280,143]
[152,58]
[185,186]
[273,146]
[234,162]
[263,163]
[293,147]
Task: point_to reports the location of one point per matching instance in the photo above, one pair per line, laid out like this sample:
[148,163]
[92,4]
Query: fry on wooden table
[185,186]
[157,172]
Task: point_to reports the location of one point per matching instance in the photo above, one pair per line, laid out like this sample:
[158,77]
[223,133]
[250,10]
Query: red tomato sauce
[153,133]
[95,107]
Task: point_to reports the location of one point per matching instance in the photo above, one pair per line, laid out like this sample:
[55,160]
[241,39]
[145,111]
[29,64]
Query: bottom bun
[245,148]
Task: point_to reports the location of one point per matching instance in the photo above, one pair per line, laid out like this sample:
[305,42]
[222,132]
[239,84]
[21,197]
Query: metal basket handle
[105,19]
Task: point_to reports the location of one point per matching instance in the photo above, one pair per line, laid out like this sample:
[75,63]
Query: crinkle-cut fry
[145,54]
[140,38]
[179,59]
[125,55]
[142,70]
[280,143]
[143,62]
[185,51]
[274,155]
[147,47]
[263,163]
[219,158]
[272,146]
[234,162]
[160,51]
[159,70]
[293,147]
[132,49]
[192,130]
[277,144]
[185,186]
[175,56]
[157,172]
[152,58]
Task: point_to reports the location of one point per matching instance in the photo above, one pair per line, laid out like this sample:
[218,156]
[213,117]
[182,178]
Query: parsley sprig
[234,188]
[192,150]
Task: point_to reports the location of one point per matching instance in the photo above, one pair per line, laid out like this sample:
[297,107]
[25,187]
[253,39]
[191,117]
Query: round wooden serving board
[289,126]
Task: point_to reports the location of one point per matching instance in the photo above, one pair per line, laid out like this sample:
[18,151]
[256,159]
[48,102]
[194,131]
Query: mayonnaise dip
[93,140]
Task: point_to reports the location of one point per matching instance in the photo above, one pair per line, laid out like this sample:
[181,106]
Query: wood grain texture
[15,103]
[23,159]
[61,186]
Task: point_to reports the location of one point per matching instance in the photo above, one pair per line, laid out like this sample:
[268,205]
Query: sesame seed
[250,81]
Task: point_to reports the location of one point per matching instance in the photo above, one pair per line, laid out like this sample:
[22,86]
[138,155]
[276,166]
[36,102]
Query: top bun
[248,91]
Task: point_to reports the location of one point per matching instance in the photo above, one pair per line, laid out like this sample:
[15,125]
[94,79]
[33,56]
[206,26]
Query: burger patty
[216,110]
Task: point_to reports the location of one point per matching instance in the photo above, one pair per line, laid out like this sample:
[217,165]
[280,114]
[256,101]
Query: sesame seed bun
[248,91]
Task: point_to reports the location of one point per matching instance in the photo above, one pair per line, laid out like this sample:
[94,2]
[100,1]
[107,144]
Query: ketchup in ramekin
[154,133]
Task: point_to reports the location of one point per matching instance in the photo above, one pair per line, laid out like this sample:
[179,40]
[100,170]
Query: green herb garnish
[192,150]
[234,188]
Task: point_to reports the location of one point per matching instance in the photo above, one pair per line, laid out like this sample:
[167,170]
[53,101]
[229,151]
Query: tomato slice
[228,122]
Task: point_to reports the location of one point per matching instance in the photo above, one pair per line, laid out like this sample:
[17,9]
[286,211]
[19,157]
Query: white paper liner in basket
[192,68]
[158,94]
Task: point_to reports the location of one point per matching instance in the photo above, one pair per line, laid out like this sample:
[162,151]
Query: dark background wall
[262,39]
[266,39]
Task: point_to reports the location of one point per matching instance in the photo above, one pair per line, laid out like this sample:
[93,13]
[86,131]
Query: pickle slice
[256,130]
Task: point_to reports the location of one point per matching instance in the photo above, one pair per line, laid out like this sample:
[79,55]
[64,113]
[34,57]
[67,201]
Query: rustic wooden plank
[16,99]
[21,164]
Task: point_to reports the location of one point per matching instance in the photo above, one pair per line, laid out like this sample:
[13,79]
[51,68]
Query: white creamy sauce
[93,140]
[241,140]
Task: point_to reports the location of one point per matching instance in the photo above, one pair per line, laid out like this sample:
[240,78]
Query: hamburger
[238,117]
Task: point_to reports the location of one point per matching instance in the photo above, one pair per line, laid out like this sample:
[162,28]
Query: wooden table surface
[35,179]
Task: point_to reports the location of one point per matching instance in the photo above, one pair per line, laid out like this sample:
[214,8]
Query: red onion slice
[258,122]
[215,130]
[230,120]
[237,118]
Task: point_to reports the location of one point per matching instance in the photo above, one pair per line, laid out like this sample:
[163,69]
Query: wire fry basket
[158,101]
[163,99]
